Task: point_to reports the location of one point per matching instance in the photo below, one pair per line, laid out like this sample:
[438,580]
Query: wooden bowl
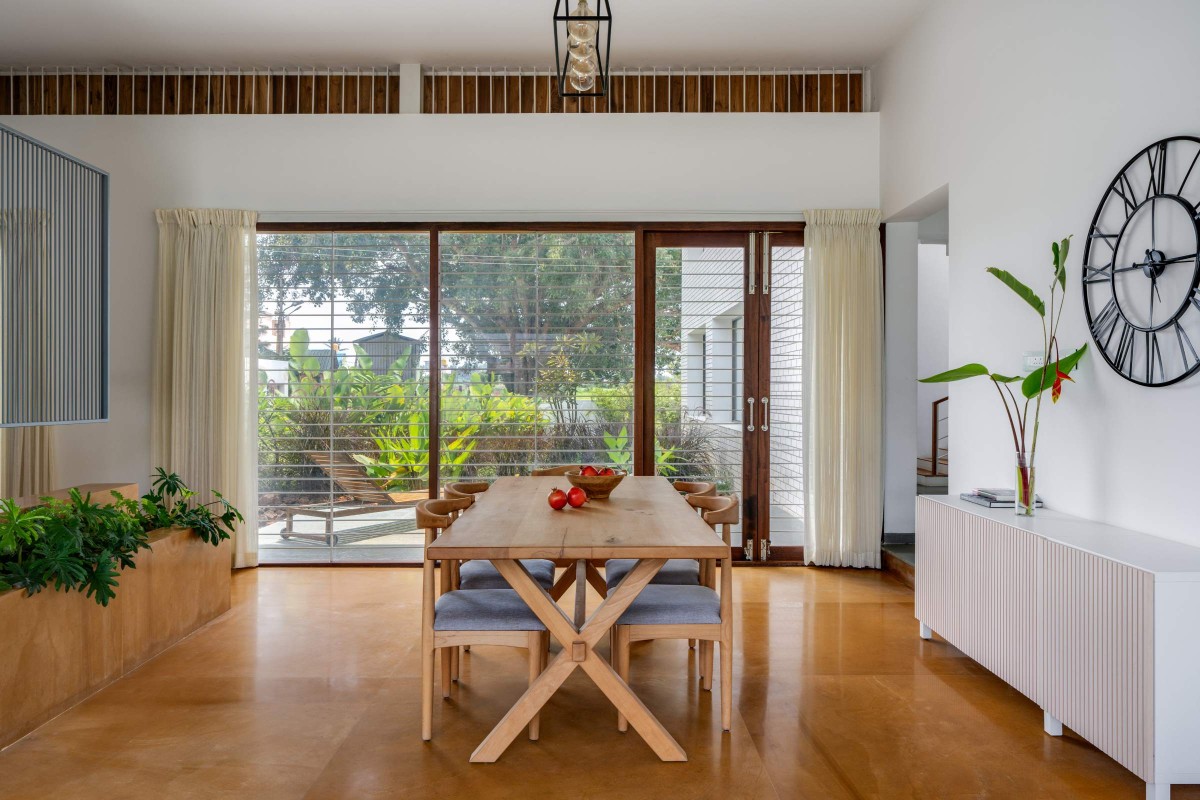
[598,487]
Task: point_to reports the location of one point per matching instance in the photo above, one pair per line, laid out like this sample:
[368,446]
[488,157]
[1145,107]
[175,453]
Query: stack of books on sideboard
[996,498]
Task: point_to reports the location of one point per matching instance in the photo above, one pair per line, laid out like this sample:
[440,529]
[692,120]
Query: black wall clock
[1141,266]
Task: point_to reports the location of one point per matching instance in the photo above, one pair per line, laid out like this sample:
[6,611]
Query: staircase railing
[939,448]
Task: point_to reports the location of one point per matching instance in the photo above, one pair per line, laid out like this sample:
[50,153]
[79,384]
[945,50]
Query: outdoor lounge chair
[366,495]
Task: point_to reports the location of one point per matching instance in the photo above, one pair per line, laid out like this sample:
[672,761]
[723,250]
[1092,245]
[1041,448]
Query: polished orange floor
[308,688]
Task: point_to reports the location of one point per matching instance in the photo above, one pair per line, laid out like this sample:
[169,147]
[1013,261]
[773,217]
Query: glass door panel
[537,351]
[343,404]
[785,480]
[700,360]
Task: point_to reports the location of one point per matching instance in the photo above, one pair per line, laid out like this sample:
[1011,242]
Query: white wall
[653,167]
[933,333]
[1027,109]
[900,380]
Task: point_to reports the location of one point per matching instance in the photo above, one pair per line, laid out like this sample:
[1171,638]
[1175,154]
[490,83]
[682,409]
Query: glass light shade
[583,30]
[582,83]
[580,49]
[584,69]
[580,69]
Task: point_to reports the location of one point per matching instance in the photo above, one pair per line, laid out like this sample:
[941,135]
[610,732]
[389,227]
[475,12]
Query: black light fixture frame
[562,55]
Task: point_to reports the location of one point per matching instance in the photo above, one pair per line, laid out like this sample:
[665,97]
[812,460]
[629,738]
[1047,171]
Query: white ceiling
[676,33]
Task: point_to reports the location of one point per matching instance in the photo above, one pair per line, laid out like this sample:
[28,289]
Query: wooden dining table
[644,519]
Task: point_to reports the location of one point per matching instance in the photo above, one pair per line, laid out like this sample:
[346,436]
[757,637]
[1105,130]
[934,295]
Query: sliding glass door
[343,404]
[394,363]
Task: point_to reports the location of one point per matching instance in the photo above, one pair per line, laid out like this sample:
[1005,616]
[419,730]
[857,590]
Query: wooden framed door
[777,434]
[724,388]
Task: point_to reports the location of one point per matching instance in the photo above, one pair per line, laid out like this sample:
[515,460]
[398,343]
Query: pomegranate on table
[576,497]
[557,499]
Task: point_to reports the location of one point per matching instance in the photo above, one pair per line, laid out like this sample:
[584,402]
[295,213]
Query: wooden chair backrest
[351,477]
[702,488]
[465,488]
[545,471]
[723,511]
[436,515]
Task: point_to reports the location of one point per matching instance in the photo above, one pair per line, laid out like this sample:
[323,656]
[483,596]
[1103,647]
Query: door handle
[753,240]
[750,416]
[766,283]
[766,411]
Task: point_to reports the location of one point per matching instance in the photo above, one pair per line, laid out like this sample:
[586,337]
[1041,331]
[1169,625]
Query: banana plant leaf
[1060,250]
[958,374]
[1025,293]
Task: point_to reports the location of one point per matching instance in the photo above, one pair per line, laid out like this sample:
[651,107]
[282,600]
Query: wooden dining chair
[701,488]
[688,612]
[453,618]
[463,489]
[548,471]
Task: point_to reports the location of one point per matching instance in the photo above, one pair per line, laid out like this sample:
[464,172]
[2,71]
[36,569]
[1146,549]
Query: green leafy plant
[617,448]
[402,460]
[1055,370]
[82,545]
[169,504]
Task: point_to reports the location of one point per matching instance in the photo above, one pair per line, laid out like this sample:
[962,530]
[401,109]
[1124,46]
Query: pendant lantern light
[582,37]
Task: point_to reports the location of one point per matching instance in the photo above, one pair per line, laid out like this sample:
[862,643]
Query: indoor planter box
[56,648]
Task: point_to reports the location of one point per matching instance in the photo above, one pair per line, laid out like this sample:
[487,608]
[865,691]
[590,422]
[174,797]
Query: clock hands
[1151,261]
[1153,292]
[1153,206]
[1188,257]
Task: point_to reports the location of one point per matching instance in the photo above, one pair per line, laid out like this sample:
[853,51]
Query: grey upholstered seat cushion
[674,605]
[484,610]
[483,574]
[676,572]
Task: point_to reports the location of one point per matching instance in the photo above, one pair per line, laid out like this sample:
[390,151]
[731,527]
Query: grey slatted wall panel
[53,286]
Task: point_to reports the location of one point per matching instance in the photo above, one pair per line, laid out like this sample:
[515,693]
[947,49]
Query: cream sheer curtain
[27,454]
[205,358]
[27,462]
[843,387]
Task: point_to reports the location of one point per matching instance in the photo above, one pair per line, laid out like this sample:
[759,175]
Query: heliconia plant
[1055,371]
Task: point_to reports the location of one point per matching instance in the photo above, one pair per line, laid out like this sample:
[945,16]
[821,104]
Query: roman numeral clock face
[1141,273]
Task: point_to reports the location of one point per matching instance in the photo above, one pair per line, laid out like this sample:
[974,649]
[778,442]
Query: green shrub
[614,404]
[81,545]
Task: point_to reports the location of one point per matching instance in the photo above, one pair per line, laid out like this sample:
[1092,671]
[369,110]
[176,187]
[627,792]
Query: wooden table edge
[575,553]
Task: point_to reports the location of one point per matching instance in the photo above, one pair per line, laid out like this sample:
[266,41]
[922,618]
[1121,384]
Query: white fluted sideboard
[1098,625]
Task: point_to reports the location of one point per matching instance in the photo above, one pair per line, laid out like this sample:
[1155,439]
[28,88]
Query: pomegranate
[589,471]
[607,471]
[557,499]
[576,497]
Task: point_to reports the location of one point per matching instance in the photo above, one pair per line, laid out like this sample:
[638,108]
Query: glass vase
[1026,499]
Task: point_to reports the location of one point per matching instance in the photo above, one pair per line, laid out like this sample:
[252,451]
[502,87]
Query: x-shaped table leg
[578,651]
